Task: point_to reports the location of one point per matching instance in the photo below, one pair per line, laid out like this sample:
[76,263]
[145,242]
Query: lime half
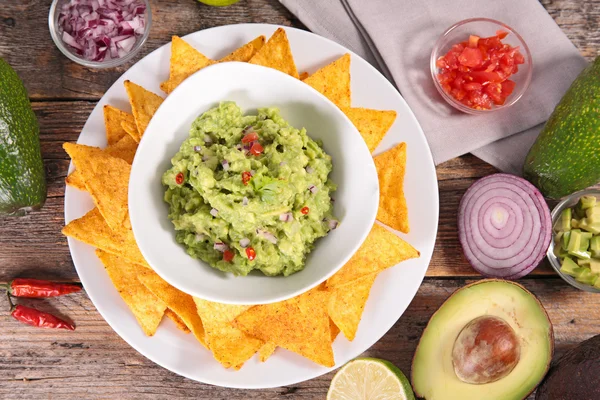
[370,379]
[218,3]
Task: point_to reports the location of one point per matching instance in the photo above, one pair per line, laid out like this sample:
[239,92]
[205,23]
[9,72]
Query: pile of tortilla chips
[307,324]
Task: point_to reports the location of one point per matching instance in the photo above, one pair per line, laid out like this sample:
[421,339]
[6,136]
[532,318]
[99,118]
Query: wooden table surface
[94,362]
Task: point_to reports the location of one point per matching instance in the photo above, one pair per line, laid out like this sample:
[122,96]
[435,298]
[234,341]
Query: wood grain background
[93,362]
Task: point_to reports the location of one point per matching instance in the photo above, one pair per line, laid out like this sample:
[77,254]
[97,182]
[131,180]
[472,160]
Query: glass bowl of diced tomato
[480,65]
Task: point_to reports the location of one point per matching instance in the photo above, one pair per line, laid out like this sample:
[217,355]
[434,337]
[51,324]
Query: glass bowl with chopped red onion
[100,33]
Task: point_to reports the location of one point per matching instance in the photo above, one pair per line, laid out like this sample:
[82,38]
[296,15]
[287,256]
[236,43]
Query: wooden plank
[94,363]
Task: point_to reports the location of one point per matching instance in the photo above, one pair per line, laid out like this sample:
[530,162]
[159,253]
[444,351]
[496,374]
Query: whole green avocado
[22,177]
[565,157]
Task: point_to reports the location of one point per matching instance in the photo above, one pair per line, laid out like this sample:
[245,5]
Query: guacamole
[249,192]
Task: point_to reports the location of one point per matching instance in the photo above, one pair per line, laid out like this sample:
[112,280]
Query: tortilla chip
[303,76]
[266,351]
[143,105]
[106,179]
[185,60]
[333,81]
[113,117]
[229,345]
[335,331]
[147,309]
[346,305]
[178,322]
[181,303]
[93,230]
[131,129]
[391,166]
[372,124]
[245,53]
[124,149]
[300,324]
[277,54]
[381,250]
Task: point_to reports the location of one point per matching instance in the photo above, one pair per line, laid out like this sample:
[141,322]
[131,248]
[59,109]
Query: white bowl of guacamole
[250,187]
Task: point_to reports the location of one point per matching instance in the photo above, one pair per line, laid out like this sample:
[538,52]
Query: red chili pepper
[33,317]
[39,288]
[228,255]
[246,176]
[305,210]
[250,253]
[179,178]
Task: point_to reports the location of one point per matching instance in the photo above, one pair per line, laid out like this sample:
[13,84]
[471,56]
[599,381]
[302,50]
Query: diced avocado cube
[586,235]
[574,223]
[595,243]
[593,219]
[595,265]
[564,222]
[587,202]
[574,241]
[584,262]
[565,240]
[557,238]
[585,243]
[569,267]
[592,211]
[580,254]
[587,277]
[593,227]
[578,211]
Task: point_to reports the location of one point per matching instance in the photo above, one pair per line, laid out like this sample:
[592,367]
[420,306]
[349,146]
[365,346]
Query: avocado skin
[22,176]
[574,375]
[565,157]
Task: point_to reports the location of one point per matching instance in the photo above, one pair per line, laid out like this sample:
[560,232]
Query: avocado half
[511,309]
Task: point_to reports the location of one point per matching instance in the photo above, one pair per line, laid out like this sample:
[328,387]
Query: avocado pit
[486,349]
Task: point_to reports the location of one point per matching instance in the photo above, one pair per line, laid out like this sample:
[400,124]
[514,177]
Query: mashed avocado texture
[249,192]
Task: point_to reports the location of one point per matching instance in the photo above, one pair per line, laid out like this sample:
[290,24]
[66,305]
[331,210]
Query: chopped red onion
[245,242]
[238,147]
[245,201]
[313,189]
[248,129]
[197,149]
[225,165]
[310,169]
[214,212]
[101,29]
[267,235]
[333,224]
[281,164]
[220,246]
[286,217]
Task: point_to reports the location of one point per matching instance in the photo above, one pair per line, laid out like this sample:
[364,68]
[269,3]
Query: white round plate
[250,87]
[394,288]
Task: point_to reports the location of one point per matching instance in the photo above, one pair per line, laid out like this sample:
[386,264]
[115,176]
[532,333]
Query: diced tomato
[256,149]
[472,86]
[250,137]
[480,100]
[507,87]
[305,210]
[458,94]
[228,256]
[519,59]
[250,253]
[246,176]
[179,178]
[471,57]
[484,77]
[473,41]
[494,91]
[501,34]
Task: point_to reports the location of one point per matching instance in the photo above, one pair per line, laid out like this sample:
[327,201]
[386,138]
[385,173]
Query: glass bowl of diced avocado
[575,249]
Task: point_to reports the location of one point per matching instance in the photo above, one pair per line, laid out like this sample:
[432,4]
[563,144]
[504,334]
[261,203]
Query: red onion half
[504,226]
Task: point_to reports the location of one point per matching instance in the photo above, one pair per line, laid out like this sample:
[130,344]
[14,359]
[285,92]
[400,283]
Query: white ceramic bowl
[251,87]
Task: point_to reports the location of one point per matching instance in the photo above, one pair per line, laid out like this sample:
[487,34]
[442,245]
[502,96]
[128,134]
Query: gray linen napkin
[397,36]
